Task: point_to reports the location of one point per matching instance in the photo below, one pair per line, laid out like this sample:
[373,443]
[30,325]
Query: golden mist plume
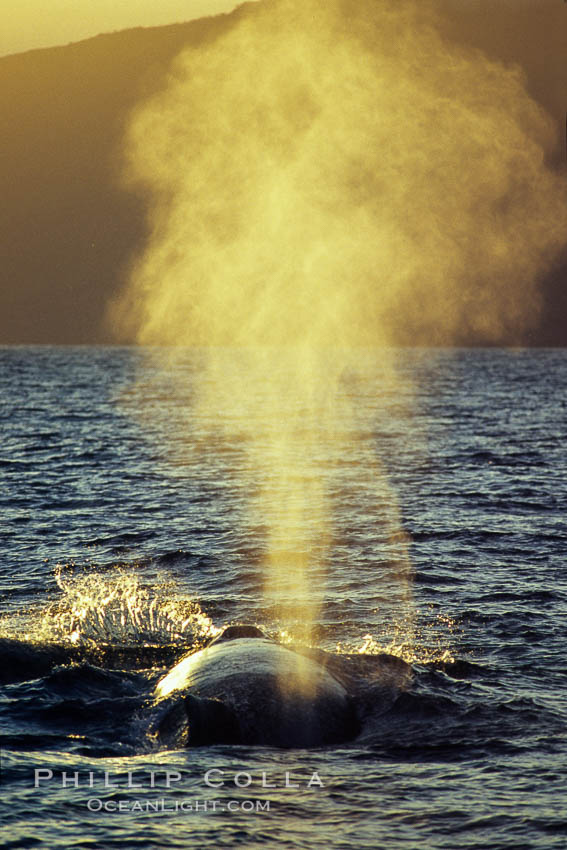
[326,177]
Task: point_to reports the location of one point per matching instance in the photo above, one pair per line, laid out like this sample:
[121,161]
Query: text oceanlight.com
[164,806]
[107,792]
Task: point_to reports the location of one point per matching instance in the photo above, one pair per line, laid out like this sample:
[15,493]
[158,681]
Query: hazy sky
[28,24]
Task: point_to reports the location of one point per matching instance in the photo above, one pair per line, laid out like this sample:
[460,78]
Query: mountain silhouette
[69,227]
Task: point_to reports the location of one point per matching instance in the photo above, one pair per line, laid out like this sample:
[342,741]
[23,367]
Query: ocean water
[127,541]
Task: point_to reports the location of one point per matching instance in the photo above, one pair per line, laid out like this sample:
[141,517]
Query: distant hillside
[67,228]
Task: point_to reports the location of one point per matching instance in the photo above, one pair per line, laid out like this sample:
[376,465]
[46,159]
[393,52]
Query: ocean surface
[127,541]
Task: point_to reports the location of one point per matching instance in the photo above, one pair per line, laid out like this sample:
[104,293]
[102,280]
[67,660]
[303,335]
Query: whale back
[253,690]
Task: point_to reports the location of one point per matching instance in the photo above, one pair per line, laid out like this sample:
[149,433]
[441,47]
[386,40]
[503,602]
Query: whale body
[245,688]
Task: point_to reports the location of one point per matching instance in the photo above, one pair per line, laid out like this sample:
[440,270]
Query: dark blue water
[126,540]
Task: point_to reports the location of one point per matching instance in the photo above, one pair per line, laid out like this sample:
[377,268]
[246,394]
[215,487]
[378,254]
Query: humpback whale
[245,688]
